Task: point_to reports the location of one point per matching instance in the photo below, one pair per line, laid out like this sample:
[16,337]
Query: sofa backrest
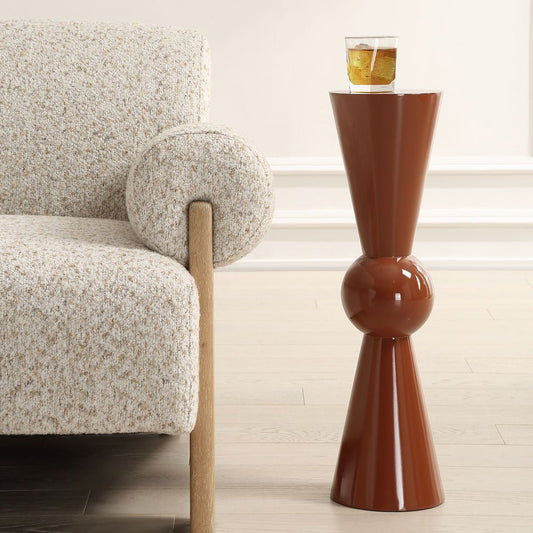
[78,101]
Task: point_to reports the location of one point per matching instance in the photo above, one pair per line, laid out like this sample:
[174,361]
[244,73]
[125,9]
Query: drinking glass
[371,63]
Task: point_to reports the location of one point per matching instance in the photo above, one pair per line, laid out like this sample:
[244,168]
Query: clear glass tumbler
[371,63]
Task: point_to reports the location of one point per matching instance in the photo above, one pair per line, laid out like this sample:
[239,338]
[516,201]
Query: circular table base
[387,460]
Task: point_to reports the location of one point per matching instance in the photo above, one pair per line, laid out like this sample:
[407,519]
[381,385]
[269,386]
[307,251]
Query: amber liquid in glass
[369,66]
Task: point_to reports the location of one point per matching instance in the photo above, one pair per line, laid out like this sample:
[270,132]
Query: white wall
[476,213]
[275,60]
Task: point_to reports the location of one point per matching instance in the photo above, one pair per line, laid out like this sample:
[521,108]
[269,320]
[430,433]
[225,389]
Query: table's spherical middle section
[387,296]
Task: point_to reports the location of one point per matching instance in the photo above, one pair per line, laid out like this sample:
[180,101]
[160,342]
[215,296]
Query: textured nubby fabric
[98,334]
[78,100]
[200,162]
[98,319]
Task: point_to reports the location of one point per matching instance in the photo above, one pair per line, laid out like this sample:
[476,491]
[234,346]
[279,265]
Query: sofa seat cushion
[98,334]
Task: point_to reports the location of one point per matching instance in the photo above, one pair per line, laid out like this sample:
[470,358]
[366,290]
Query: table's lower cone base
[387,461]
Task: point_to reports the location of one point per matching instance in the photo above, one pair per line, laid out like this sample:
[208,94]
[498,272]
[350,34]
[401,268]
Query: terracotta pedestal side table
[387,460]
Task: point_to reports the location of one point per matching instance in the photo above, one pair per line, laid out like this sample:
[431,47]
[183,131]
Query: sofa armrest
[200,162]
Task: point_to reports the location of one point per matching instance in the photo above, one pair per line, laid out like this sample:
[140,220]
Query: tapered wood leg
[202,444]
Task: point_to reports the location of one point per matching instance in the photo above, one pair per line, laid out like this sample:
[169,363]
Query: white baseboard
[431,263]
[476,214]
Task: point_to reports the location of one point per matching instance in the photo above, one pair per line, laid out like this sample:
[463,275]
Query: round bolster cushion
[200,162]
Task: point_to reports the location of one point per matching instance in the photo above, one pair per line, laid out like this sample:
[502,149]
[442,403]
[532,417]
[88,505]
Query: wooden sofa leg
[202,443]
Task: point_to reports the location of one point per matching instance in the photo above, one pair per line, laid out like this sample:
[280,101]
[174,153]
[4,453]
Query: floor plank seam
[490,314]
[86,503]
[469,366]
[500,434]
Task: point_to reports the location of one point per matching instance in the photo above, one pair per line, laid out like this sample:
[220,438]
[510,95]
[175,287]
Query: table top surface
[390,93]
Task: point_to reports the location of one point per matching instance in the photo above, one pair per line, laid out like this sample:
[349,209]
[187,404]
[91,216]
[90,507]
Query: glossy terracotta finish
[387,460]
[387,296]
[385,140]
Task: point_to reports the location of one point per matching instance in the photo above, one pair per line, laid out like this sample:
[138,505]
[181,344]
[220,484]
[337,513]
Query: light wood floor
[285,359]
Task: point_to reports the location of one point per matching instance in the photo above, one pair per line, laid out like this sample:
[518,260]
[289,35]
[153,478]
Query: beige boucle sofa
[105,279]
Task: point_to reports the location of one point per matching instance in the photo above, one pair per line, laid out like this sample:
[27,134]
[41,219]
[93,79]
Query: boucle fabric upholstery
[200,162]
[78,100]
[98,319]
[98,334]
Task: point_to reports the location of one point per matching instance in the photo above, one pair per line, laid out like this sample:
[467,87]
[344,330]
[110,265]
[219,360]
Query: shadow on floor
[46,481]
[102,524]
